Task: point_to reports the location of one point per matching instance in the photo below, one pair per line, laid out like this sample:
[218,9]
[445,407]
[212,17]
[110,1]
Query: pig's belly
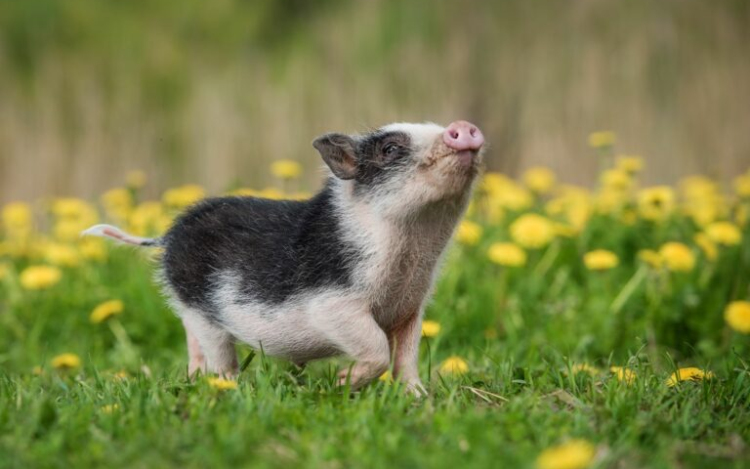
[294,329]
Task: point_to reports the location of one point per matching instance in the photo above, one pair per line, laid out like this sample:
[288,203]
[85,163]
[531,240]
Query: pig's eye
[390,149]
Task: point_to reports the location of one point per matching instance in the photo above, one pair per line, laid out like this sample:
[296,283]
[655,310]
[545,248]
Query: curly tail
[109,231]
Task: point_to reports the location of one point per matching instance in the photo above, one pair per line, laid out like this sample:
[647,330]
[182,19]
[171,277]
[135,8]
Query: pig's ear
[339,154]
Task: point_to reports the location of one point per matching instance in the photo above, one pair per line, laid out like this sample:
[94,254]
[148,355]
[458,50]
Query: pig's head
[401,168]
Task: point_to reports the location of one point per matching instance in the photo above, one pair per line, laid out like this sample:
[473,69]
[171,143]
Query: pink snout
[462,135]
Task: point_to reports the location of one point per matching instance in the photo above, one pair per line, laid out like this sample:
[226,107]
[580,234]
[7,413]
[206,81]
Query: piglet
[347,272]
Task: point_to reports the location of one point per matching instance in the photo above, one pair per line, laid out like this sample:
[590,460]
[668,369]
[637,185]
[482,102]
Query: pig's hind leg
[196,359]
[354,331]
[210,347]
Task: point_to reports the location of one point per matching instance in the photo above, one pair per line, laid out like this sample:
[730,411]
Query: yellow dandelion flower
[106,310]
[62,255]
[109,408]
[630,163]
[271,193]
[454,365]
[468,233]
[600,259]
[624,375]
[504,193]
[68,230]
[656,203]
[37,371]
[688,374]
[17,218]
[40,277]
[119,197]
[163,223]
[610,200]
[493,182]
[584,368]
[117,203]
[135,179]
[183,196]
[244,192]
[677,257]
[576,205]
[145,219]
[120,375]
[742,185]
[602,139]
[92,248]
[430,328]
[725,233]
[515,198]
[616,179]
[386,377]
[507,254]
[532,231]
[574,454]
[737,315]
[299,196]
[697,188]
[286,169]
[539,179]
[222,384]
[707,246]
[75,209]
[555,206]
[651,258]
[66,361]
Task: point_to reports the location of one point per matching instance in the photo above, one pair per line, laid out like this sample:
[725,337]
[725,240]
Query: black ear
[339,154]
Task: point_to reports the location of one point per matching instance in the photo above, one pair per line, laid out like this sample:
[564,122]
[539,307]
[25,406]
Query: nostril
[462,135]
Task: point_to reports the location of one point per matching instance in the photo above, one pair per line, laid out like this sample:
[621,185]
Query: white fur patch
[422,135]
[295,329]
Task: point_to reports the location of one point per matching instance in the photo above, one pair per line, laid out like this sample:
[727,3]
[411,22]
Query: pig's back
[269,249]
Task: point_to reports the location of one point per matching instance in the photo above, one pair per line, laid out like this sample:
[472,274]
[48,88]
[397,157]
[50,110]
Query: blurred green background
[212,92]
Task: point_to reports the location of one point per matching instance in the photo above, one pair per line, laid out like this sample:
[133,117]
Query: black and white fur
[346,272]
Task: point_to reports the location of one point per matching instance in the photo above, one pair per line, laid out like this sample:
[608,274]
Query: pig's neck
[399,255]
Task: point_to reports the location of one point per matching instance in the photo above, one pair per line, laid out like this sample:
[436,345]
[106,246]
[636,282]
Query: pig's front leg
[351,327]
[404,340]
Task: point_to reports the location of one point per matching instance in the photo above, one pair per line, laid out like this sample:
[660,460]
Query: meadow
[571,327]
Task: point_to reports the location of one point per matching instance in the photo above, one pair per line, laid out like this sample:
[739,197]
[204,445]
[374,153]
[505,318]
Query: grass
[539,341]
[515,402]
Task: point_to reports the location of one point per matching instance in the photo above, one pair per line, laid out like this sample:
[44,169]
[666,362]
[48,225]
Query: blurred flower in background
[507,254]
[454,366]
[40,277]
[106,310]
[688,374]
[737,315]
[532,231]
[286,169]
[600,259]
[66,361]
[573,454]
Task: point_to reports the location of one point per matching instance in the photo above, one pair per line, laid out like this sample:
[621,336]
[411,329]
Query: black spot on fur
[380,153]
[277,248]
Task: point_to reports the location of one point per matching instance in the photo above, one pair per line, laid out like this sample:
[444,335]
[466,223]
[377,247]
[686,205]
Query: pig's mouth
[466,158]
[464,161]
[455,160]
